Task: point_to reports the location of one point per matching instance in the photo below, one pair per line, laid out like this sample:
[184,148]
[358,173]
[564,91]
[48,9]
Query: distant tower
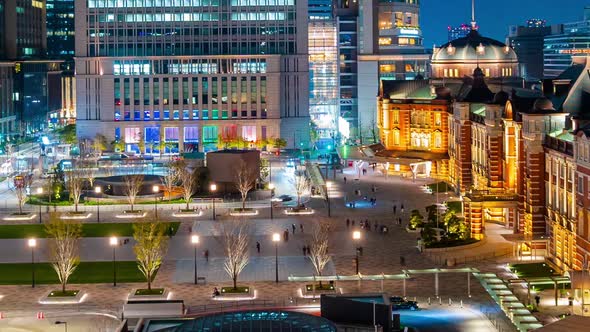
[473,22]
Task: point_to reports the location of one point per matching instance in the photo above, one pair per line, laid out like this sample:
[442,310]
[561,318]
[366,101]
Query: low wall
[435,251]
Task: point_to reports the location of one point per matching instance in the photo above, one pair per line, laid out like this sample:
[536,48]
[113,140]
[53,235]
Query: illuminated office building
[60,29]
[191,72]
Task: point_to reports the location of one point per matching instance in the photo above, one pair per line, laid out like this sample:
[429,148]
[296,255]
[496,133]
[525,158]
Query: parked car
[399,303]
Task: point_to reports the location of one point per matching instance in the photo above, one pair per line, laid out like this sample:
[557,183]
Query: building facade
[148,71]
[8,124]
[566,40]
[60,29]
[528,43]
[23,29]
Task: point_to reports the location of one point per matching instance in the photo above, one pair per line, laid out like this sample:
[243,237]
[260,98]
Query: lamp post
[32,245]
[195,242]
[39,193]
[98,191]
[356,236]
[156,189]
[113,241]
[328,185]
[65,324]
[276,238]
[213,189]
[271,186]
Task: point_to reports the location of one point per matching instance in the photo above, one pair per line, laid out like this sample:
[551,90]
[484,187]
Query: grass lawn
[532,270]
[238,290]
[455,206]
[86,273]
[153,291]
[62,294]
[88,230]
[443,187]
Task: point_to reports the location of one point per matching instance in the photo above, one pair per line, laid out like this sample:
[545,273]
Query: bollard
[440,301]
[414,299]
[461,303]
[450,302]
[429,300]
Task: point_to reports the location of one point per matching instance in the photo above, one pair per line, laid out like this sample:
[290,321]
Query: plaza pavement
[381,254]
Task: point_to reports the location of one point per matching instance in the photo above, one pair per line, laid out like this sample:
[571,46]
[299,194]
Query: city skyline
[437,16]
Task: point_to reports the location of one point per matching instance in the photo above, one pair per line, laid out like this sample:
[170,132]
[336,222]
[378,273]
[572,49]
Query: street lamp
[195,242]
[156,189]
[32,245]
[328,185]
[356,235]
[271,186]
[276,238]
[213,188]
[39,193]
[113,241]
[65,324]
[98,191]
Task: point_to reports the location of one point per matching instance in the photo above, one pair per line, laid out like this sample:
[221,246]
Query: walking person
[345,180]
[304,251]
[402,208]
[207,254]
[293,228]
[347,223]
[301,228]
[394,209]
[258,246]
[352,223]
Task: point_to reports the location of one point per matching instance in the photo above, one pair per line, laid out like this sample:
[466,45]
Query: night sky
[493,16]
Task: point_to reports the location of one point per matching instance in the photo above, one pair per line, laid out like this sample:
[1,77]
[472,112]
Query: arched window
[396,137]
[437,139]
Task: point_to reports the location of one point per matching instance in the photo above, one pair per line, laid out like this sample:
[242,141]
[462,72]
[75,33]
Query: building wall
[254,74]
[560,175]
[460,136]
[60,29]
[7,110]
[582,157]
[24,29]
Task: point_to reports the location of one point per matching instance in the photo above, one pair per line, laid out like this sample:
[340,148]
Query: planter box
[25,216]
[309,292]
[135,295]
[131,214]
[417,230]
[187,213]
[54,297]
[299,211]
[243,212]
[75,215]
[245,294]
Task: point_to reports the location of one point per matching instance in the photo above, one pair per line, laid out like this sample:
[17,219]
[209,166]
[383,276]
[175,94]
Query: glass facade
[559,48]
[60,28]
[323,77]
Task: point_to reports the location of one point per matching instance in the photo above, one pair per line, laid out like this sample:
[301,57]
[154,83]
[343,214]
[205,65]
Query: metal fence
[454,260]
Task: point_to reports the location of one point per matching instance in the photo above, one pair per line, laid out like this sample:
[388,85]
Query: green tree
[150,247]
[99,145]
[64,236]
[67,134]
[416,219]
[431,211]
[279,143]
[456,227]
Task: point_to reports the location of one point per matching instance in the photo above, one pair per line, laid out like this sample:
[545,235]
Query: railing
[203,309]
[485,195]
[443,259]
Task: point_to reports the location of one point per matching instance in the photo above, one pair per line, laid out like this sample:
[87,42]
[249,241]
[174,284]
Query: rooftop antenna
[473,22]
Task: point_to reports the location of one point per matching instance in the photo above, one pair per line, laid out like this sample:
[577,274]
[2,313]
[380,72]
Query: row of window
[165,115]
[189,17]
[133,135]
[181,3]
[197,90]
[128,68]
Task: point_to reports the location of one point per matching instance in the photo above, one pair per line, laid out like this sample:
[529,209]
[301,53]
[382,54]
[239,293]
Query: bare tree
[150,247]
[236,242]
[301,185]
[90,175]
[21,196]
[170,178]
[188,179]
[75,184]
[64,236]
[318,249]
[132,187]
[245,180]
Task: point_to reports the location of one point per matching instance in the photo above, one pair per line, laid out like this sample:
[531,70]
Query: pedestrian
[301,228]
[375,227]
[286,235]
[399,221]
[293,228]
[345,180]
[402,260]
[537,299]
[207,255]
[368,225]
[394,209]
[258,246]
[304,251]
[402,208]
[347,223]
[352,223]
[308,250]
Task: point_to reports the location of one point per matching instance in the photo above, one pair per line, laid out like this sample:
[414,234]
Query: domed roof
[543,104]
[474,47]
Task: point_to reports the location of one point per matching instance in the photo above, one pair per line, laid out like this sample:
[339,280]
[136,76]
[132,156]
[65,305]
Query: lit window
[384,41]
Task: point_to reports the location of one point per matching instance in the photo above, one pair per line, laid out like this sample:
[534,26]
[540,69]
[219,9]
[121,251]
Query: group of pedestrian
[366,225]
[395,208]
[306,250]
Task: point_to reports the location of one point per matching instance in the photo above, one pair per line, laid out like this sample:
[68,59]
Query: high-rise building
[191,72]
[459,31]
[564,42]
[7,111]
[390,48]
[536,23]
[527,42]
[60,29]
[22,29]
